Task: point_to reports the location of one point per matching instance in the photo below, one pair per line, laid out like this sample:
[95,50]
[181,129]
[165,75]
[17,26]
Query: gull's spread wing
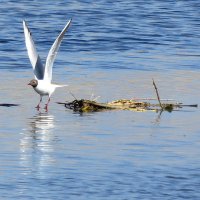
[35,60]
[52,53]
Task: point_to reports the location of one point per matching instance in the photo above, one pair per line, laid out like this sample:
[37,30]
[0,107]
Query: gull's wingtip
[69,22]
[26,28]
[24,24]
[66,26]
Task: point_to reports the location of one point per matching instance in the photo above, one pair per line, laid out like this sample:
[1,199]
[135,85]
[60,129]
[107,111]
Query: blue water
[113,49]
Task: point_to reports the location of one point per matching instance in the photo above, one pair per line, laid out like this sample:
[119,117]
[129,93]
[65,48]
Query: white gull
[43,75]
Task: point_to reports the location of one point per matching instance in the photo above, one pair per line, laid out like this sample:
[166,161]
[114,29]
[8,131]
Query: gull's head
[33,83]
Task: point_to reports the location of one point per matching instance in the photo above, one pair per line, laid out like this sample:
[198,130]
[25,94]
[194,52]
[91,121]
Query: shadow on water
[36,146]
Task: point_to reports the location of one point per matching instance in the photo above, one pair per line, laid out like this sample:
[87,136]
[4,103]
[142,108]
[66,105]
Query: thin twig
[72,95]
[157,94]
[93,97]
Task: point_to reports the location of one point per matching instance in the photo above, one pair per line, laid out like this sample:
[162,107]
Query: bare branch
[157,94]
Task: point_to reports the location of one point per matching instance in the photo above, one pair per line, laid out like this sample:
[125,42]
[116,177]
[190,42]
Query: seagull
[43,75]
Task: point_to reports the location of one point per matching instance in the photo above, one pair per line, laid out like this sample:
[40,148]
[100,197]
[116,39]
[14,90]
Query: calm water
[113,50]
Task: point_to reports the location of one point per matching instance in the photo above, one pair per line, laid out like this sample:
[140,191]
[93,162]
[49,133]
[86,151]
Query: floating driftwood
[123,104]
[8,104]
[137,104]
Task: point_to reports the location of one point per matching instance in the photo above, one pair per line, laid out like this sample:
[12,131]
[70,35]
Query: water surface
[112,50]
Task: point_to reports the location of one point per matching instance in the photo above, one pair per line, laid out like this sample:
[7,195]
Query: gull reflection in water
[36,145]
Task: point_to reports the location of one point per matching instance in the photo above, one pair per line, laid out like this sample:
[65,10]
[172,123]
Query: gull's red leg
[38,106]
[46,106]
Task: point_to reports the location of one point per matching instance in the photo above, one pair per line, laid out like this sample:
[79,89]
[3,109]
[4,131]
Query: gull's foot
[46,107]
[38,107]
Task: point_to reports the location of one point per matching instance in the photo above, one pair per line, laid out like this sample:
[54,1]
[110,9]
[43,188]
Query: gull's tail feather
[56,85]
